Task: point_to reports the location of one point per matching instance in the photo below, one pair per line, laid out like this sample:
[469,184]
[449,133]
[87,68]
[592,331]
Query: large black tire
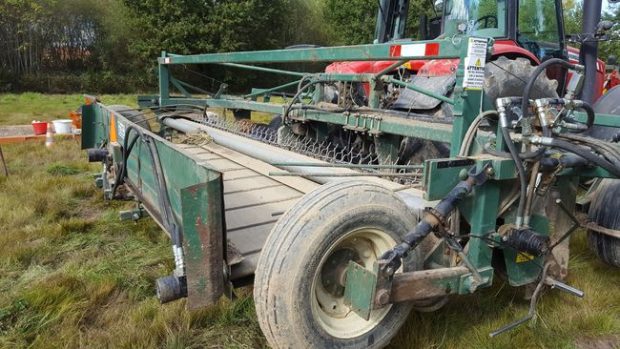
[291,288]
[606,202]
[505,77]
[132,115]
[604,212]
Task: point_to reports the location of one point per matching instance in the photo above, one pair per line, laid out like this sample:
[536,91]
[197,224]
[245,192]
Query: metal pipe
[273,89]
[420,90]
[389,69]
[369,166]
[269,154]
[264,69]
[328,174]
[589,49]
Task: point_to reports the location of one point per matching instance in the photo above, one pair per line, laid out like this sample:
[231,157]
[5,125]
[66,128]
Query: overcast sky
[607,6]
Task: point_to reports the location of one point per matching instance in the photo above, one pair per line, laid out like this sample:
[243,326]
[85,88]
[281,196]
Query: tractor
[405,173]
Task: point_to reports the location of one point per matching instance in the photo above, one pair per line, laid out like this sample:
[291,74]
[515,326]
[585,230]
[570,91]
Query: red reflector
[432,50]
[395,51]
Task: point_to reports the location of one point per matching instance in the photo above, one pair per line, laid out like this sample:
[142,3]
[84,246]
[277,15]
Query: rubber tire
[295,247]
[604,206]
[505,77]
[604,212]
[132,115]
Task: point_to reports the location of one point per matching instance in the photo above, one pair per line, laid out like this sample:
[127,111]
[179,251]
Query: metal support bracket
[132,215]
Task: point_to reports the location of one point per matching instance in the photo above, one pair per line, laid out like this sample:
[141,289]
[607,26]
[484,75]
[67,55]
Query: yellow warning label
[478,64]
[524,257]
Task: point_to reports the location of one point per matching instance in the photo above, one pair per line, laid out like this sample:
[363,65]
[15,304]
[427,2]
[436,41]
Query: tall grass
[73,276]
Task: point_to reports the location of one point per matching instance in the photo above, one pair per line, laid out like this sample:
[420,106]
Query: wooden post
[6,169]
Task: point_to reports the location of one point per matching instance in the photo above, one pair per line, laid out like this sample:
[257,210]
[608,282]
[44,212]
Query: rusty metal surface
[203,242]
[426,284]
[606,231]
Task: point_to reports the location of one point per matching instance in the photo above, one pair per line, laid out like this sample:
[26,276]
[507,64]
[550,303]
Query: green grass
[73,276]
[19,109]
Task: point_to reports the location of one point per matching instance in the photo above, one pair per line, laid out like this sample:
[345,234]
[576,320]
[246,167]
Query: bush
[90,82]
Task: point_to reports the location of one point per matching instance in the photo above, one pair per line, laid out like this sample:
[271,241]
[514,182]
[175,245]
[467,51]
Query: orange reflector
[113,137]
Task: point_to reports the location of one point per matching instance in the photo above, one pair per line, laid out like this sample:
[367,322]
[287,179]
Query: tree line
[111,45]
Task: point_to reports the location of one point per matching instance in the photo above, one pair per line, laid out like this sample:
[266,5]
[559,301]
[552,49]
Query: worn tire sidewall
[322,234]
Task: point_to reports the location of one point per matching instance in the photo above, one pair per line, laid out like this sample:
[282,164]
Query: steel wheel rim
[328,309]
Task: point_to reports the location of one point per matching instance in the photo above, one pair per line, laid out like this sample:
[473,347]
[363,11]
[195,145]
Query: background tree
[111,45]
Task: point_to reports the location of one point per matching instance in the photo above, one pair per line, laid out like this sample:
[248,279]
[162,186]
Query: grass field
[73,276]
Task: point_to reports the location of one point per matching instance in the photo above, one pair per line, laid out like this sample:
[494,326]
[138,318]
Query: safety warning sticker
[474,64]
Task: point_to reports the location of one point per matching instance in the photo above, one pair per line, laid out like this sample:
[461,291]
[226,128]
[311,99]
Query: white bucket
[62,127]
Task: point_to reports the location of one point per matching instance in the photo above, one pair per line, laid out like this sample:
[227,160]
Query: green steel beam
[264,69]
[373,124]
[164,81]
[273,89]
[379,124]
[447,48]
[607,120]
[176,83]
[195,88]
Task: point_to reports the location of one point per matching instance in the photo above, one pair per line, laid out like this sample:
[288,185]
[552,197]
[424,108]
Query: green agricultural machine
[404,173]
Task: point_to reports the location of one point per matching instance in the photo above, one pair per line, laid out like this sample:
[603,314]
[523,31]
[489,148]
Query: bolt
[490,172]
[463,175]
[383,297]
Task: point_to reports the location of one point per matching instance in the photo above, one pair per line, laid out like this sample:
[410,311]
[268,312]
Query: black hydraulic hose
[530,85]
[589,111]
[608,151]
[300,91]
[127,149]
[564,161]
[165,204]
[586,154]
[576,104]
[521,174]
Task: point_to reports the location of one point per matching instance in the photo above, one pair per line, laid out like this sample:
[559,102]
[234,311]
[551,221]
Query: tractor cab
[535,26]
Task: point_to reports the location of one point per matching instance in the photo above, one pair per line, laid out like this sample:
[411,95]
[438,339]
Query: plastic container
[63,126]
[77,119]
[39,127]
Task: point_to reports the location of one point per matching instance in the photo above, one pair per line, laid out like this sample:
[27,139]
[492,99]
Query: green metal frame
[192,181]
[194,190]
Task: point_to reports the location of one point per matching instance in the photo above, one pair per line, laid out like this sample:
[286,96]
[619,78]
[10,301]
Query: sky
[607,6]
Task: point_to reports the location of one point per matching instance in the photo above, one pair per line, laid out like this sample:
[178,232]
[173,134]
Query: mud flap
[203,242]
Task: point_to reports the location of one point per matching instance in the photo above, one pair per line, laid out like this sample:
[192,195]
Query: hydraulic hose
[530,85]
[573,104]
[586,154]
[300,91]
[521,174]
[589,111]
[611,153]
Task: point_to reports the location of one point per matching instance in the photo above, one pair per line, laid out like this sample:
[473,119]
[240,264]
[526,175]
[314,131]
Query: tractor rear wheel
[505,77]
[299,284]
[604,212]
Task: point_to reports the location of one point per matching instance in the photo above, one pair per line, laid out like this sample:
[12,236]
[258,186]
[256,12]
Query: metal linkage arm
[392,260]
